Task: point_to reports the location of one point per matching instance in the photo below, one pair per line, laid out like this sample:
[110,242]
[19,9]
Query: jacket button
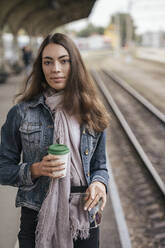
[88,174]
[86,152]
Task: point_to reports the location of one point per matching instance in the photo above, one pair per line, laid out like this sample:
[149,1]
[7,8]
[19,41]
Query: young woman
[58,105]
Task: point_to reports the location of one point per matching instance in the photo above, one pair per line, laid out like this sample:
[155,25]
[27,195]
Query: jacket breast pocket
[30,133]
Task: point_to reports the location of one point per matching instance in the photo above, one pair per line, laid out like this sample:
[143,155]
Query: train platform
[153,54]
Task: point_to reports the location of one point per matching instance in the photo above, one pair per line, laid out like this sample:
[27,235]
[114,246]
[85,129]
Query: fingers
[52,161]
[96,192]
[52,169]
[93,191]
[50,157]
[91,198]
[104,199]
[51,164]
[53,172]
[91,203]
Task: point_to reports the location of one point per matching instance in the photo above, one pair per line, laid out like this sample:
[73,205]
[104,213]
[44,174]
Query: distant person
[27,59]
[59,105]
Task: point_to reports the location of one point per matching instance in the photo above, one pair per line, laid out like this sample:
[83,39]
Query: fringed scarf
[62,217]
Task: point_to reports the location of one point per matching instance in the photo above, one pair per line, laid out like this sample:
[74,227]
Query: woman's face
[56,66]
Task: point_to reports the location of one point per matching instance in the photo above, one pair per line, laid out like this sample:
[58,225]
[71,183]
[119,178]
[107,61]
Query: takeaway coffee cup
[62,152]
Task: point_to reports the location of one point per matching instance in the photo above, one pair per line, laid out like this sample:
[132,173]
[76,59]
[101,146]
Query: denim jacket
[25,137]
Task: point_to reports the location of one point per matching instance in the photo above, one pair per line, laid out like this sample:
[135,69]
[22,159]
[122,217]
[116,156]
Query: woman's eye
[47,62]
[64,61]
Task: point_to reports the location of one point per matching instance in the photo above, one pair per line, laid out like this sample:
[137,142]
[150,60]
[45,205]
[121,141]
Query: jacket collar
[40,99]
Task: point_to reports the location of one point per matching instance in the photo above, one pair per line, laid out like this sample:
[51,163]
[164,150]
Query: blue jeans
[28,225]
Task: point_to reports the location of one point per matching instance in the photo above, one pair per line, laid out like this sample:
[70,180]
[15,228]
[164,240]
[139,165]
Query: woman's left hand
[95,191]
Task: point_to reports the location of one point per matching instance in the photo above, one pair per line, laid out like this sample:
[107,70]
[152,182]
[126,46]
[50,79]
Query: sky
[149,15]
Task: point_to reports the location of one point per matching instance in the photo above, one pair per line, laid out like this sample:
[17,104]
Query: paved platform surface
[154,54]
[9,215]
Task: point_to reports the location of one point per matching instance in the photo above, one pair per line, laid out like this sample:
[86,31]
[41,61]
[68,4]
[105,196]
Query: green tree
[90,29]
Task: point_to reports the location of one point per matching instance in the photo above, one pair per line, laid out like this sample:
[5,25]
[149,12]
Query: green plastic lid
[58,149]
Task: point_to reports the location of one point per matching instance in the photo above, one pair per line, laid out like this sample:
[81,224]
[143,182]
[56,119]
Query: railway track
[138,151]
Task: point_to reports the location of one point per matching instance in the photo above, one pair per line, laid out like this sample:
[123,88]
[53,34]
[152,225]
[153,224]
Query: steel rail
[137,95]
[129,132]
[118,211]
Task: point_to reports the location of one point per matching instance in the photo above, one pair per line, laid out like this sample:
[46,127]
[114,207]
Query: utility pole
[118,35]
[129,24]
[129,33]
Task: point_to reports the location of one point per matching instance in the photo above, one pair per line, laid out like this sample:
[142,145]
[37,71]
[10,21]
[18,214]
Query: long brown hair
[80,94]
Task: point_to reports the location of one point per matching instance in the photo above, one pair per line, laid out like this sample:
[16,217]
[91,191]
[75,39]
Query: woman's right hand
[49,164]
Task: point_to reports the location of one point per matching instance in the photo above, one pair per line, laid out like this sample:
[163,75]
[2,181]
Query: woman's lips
[57,78]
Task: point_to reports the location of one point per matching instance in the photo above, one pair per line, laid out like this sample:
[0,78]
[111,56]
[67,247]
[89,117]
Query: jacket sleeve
[98,168]
[12,172]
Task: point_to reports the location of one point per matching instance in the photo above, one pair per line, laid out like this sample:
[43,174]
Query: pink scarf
[62,217]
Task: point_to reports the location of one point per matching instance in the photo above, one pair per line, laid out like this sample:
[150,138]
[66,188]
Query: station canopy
[40,17]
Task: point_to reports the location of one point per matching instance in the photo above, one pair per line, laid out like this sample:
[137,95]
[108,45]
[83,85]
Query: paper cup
[61,152]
